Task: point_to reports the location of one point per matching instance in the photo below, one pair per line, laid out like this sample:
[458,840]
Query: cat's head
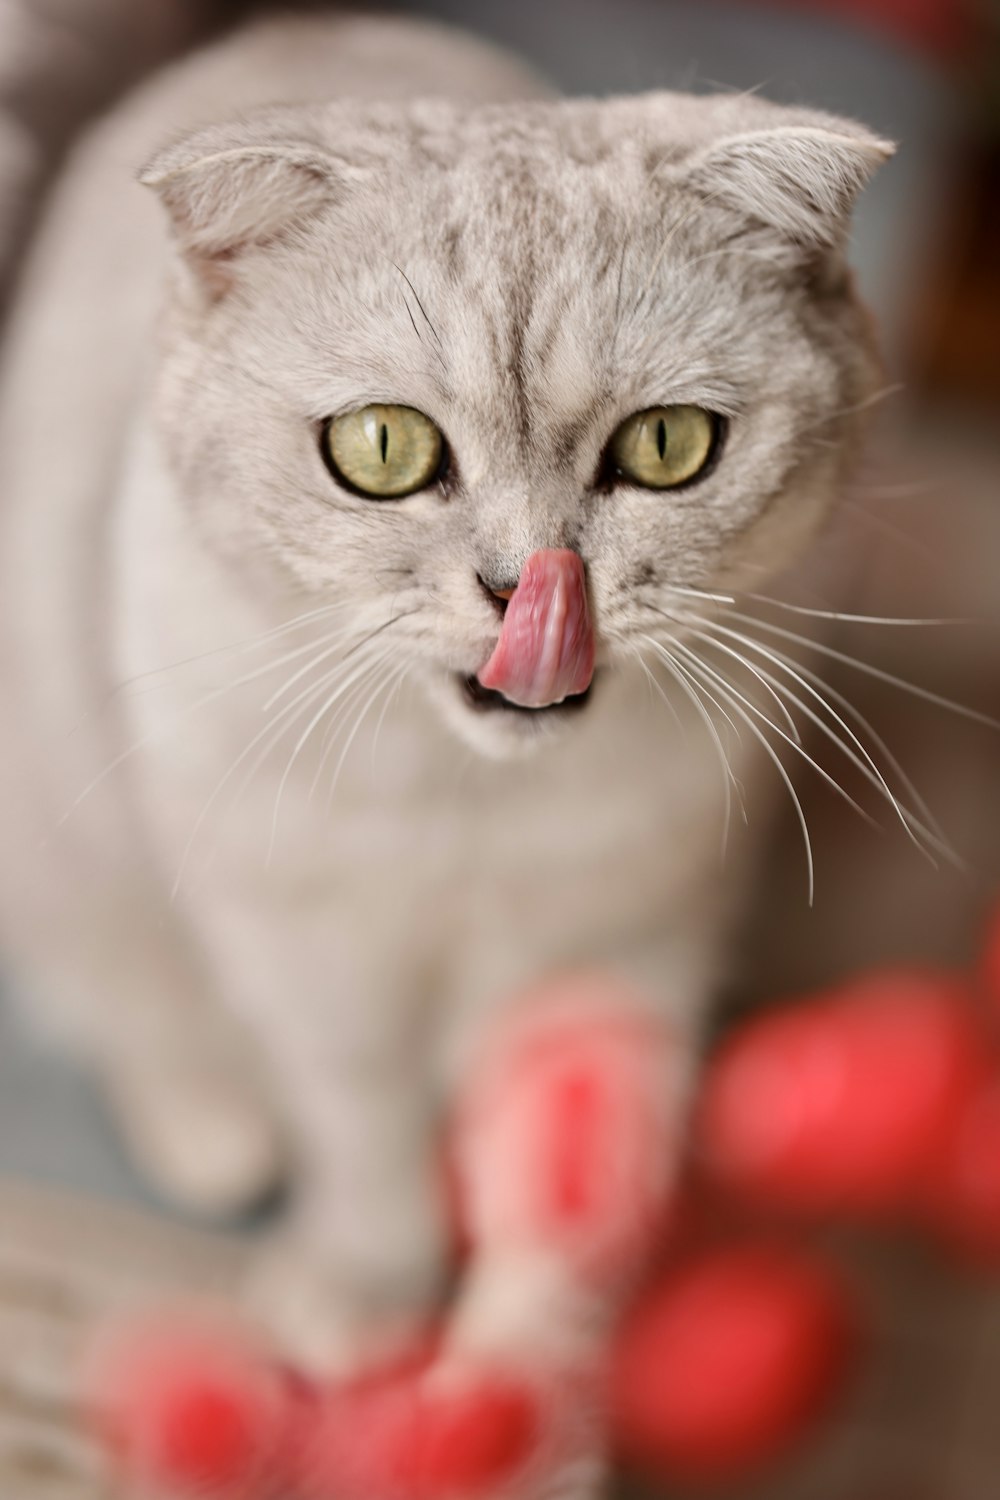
[409,346]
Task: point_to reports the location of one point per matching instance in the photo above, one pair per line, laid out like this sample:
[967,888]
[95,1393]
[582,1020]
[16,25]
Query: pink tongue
[546,647]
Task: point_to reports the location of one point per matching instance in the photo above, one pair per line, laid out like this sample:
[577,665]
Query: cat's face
[527,278]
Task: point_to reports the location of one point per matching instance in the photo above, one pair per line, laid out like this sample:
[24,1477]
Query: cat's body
[310,938]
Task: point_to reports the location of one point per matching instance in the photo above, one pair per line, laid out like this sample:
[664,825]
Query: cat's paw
[204,1138]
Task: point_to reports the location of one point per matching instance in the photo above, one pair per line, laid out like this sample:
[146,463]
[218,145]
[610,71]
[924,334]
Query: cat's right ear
[230,188]
[800,179]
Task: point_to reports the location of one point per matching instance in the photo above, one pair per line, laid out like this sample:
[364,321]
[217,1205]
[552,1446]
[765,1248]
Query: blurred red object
[881,1097]
[474,1439]
[729,1360]
[194,1411]
[960,1195]
[932,25]
[393,1436]
[566,1136]
[720,1365]
[839,1105]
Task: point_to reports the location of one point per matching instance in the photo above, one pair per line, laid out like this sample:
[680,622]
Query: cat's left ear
[801,180]
[228,188]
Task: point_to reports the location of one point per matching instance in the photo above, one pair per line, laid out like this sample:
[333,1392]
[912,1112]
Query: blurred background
[918,537]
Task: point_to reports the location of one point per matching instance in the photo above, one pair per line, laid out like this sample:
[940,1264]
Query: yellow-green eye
[383,451]
[664,446]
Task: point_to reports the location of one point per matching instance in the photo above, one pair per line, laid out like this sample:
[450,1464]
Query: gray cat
[373,482]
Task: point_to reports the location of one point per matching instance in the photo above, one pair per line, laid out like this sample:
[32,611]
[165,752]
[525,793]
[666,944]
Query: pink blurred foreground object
[842,1104]
[194,1411]
[959,1199]
[395,1436]
[566,1142]
[475,1439]
[729,1359]
[189,1411]
[719,1365]
[546,648]
[567,1132]
[936,26]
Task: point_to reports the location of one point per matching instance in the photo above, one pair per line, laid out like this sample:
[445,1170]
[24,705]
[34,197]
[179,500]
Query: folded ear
[801,180]
[230,187]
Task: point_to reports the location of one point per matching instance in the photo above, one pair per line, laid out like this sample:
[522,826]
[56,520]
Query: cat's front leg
[363,1251]
[361,1261]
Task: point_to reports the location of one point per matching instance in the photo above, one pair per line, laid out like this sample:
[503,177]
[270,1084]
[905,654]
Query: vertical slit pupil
[661,438]
[384,441]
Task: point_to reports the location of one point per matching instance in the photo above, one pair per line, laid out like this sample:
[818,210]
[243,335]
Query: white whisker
[387,677]
[796,803]
[874,399]
[693,593]
[834,614]
[277,726]
[766,682]
[735,697]
[921,820]
[729,780]
[239,647]
[357,646]
[871,671]
[768,688]
[356,686]
[864,762]
[390,697]
[652,683]
[361,668]
[335,646]
[185,713]
[272,732]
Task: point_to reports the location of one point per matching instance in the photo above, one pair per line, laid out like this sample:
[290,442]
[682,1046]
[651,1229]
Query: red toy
[880,1099]
[839,1105]
[198,1409]
[394,1434]
[728,1359]
[959,1200]
[720,1364]
[566,1133]
[565,1147]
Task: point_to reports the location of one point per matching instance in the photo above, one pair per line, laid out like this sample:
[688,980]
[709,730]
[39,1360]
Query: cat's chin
[497,728]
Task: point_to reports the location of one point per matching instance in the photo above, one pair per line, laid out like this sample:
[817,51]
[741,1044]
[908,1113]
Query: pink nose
[546,648]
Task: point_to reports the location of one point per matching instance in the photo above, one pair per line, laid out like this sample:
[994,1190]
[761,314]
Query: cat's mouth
[484,700]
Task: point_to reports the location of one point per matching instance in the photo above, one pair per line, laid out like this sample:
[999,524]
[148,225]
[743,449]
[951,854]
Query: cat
[371,469]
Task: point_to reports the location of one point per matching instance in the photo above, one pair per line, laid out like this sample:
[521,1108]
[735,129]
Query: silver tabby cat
[280,430]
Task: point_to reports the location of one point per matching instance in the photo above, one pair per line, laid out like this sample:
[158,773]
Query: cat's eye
[664,446]
[383,452]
